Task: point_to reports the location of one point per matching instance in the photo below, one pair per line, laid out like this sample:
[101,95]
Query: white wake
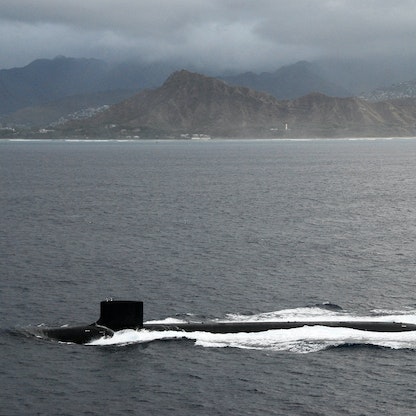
[300,340]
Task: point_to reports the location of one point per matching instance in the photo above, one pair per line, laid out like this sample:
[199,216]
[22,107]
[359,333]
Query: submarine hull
[77,334]
[118,315]
[234,327]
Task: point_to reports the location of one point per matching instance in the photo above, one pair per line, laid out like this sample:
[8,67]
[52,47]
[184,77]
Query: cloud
[244,34]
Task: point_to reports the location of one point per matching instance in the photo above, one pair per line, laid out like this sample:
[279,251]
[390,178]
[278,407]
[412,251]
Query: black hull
[76,334]
[235,327]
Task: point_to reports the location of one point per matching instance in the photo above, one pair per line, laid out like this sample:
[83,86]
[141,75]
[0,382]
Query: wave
[298,340]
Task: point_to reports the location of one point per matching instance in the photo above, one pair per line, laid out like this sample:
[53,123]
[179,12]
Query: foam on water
[297,314]
[300,340]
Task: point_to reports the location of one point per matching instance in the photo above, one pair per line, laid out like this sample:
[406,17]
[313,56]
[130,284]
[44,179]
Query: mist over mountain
[47,80]
[363,75]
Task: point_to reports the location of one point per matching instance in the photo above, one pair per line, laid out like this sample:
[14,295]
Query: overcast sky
[223,34]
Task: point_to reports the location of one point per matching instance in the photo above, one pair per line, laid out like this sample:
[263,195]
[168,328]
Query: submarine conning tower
[121,314]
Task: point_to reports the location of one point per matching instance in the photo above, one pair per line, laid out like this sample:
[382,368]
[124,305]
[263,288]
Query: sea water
[213,230]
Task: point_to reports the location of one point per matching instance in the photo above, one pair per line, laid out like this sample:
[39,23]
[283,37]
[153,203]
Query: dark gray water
[202,230]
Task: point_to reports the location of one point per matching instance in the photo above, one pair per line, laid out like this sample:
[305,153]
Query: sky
[215,34]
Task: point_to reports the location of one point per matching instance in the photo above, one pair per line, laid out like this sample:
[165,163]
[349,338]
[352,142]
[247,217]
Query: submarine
[116,315]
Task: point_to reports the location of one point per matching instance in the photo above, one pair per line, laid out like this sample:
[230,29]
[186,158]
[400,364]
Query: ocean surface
[200,230]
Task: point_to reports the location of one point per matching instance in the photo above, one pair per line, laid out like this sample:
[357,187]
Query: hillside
[64,108]
[405,89]
[189,103]
[323,116]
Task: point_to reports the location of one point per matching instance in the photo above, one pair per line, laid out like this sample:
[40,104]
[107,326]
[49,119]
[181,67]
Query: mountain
[189,103]
[47,80]
[405,89]
[48,90]
[289,82]
[34,94]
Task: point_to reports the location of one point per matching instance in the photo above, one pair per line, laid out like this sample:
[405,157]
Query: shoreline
[224,139]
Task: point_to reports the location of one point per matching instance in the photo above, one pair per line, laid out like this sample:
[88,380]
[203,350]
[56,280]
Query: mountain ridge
[48,90]
[290,81]
[193,103]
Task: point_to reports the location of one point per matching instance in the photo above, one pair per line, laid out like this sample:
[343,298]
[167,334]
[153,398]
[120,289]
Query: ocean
[199,230]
